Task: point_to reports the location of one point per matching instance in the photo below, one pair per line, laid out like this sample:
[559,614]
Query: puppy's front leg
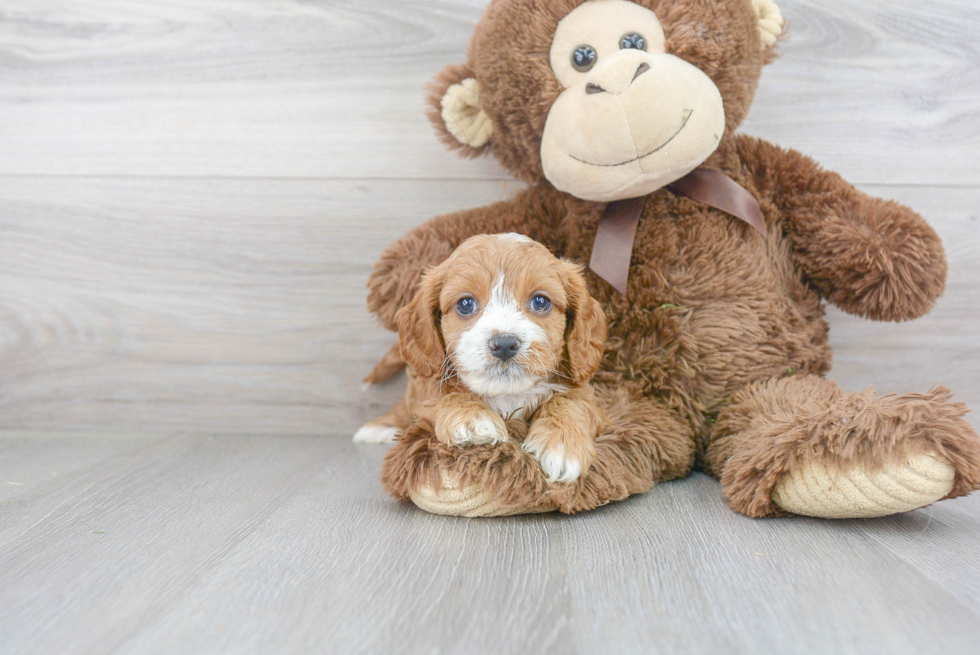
[562,435]
[463,419]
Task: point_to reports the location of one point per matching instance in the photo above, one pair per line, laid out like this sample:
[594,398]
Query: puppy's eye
[584,58]
[540,303]
[465,306]
[632,41]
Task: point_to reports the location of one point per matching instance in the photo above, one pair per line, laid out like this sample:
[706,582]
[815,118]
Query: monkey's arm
[871,257]
[396,273]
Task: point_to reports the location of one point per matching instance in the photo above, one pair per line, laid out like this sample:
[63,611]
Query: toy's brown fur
[644,444]
[716,354]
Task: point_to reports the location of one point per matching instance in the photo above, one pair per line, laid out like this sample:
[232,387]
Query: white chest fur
[522,405]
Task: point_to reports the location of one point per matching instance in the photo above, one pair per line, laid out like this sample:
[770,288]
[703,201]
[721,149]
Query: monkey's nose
[504,346]
[614,82]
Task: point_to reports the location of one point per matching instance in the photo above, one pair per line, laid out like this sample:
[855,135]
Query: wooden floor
[270,544]
[192,193]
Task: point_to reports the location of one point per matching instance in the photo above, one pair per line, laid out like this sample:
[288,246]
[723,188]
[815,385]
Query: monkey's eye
[540,303]
[584,58]
[465,306]
[632,41]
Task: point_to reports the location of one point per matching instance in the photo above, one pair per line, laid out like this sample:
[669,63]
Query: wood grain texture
[239,305]
[221,544]
[223,305]
[192,193]
[885,92]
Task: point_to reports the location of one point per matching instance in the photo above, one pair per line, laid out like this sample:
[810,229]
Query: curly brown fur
[713,308]
[645,444]
[396,275]
[567,423]
[772,427]
[870,257]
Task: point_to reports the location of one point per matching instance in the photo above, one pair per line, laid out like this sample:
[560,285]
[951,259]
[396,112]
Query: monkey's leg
[803,446]
[642,444]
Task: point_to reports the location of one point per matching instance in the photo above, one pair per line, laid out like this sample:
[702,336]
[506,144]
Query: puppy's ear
[586,332]
[419,336]
[456,113]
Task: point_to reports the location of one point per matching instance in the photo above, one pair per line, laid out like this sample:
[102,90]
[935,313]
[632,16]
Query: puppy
[504,330]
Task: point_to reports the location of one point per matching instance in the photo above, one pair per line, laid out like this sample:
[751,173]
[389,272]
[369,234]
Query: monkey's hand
[871,257]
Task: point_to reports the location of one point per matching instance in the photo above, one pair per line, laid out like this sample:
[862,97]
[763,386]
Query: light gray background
[191,196]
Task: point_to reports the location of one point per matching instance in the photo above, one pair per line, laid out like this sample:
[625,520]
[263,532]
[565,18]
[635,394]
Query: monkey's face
[631,118]
[605,99]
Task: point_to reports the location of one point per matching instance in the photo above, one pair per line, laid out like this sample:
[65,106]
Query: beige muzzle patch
[816,490]
[657,119]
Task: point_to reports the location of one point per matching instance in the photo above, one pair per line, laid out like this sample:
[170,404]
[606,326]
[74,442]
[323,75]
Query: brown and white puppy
[501,330]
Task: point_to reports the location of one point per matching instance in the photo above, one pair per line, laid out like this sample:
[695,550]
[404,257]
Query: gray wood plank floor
[269,544]
[192,193]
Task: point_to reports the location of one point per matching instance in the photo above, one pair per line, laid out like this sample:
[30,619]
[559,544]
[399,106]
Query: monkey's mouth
[663,145]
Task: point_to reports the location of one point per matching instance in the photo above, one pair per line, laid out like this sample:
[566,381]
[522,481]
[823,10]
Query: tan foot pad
[472,501]
[850,494]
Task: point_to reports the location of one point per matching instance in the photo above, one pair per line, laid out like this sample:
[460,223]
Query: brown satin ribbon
[613,246]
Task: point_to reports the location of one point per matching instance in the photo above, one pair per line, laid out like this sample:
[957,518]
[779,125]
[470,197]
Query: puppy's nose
[504,346]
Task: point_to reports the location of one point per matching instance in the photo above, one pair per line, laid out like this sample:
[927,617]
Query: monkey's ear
[770,22]
[454,109]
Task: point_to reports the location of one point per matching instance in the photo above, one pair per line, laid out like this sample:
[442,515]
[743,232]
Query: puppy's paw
[558,465]
[472,429]
[564,454]
[375,434]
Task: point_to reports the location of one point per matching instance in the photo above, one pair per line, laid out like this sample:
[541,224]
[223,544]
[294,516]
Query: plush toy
[709,252]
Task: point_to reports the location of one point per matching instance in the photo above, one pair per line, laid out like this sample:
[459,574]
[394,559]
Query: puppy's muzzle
[504,346]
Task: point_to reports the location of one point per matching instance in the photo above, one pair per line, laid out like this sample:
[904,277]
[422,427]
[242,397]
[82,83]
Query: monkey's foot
[453,499]
[802,445]
[816,490]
